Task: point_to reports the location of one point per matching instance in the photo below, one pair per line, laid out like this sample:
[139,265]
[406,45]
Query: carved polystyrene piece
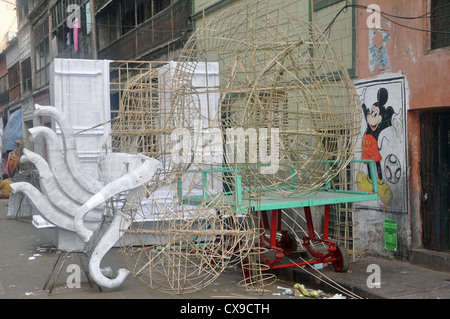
[43,206]
[72,201]
[52,190]
[57,162]
[132,180]
[72,159]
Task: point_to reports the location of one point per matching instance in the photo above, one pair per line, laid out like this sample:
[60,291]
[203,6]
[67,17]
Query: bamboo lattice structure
[281,109]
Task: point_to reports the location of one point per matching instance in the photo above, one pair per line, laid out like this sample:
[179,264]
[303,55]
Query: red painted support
[274,226]
[273,229]
[309,222]
[326,221]
[279,219]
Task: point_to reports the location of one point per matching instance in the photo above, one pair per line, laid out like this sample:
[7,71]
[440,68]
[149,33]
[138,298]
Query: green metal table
[273,201]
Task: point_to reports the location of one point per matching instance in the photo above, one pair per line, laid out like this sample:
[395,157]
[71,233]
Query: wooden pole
[93,30]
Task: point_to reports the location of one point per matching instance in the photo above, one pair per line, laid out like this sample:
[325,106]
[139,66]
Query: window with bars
[25,68]
[14,82]
[4,84]
[440,24]
[40,36]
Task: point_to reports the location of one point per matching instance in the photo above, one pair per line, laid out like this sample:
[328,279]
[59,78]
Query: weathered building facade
[142,30]
[87,29]
[407,52]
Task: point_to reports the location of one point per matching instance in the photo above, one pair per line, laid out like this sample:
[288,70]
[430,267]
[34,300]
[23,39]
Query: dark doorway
[435,176]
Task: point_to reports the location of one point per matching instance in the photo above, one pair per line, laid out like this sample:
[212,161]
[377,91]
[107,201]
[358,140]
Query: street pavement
[27,257]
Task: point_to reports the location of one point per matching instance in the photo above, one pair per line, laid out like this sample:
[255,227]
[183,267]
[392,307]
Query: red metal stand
[283,244]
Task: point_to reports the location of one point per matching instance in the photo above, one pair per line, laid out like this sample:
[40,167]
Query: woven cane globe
[288,110]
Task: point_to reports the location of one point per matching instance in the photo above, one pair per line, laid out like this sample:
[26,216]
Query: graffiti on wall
[378,54]
[383,140]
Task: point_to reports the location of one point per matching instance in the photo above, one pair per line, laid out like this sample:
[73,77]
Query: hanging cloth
[75,34]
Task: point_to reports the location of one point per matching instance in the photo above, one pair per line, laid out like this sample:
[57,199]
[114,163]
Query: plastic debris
[308,292]
[318,266]
[287,291]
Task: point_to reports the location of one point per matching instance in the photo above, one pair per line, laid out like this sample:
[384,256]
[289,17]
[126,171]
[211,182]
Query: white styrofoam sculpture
[74,201]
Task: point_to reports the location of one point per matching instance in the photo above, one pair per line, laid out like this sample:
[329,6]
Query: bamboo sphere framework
[173,245]
[288,117]
[283,84]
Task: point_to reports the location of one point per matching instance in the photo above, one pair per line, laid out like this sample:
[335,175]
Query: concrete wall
[384,98]
[396,51]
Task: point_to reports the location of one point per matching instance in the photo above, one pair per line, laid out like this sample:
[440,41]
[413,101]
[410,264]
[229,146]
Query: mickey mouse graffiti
[378,118]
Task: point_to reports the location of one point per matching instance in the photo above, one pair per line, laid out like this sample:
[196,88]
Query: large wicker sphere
[274,105]
[285,88]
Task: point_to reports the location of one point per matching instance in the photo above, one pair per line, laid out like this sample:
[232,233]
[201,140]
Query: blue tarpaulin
[12,132]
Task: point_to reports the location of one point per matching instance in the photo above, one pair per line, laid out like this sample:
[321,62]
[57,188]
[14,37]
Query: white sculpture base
[67,240]
[62,239]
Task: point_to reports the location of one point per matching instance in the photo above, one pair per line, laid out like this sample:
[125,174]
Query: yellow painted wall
[341,34]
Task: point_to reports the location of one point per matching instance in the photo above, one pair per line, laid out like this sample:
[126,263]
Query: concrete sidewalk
[27,258]
[396,280]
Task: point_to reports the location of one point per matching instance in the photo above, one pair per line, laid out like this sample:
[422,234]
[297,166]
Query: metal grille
[440,22]
[168,26]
